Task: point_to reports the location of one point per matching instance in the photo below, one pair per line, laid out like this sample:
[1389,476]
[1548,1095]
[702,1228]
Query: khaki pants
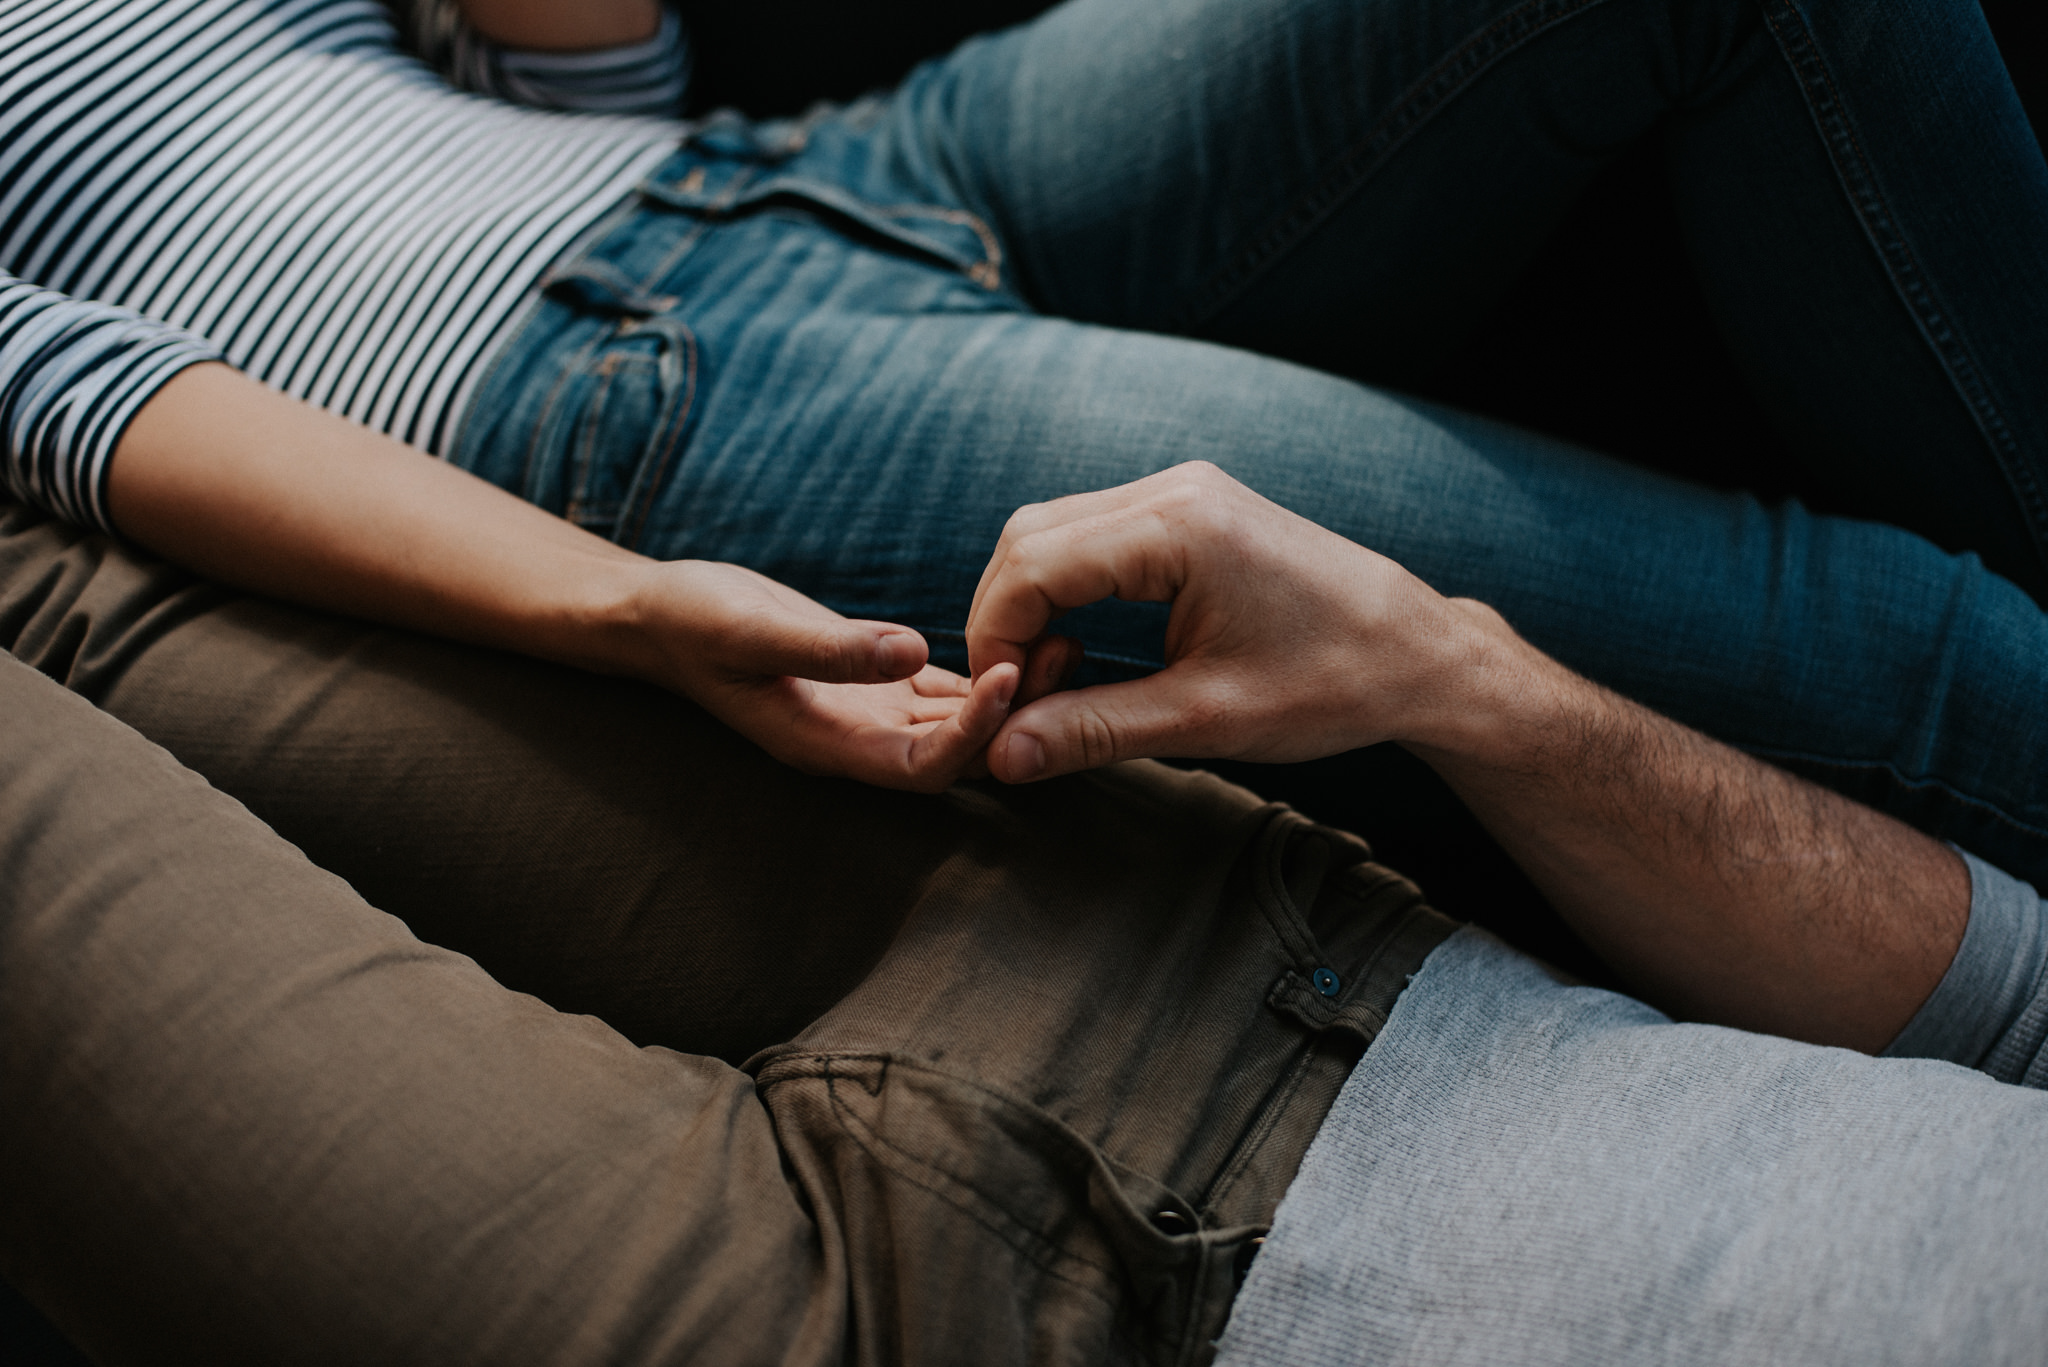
[996,1076]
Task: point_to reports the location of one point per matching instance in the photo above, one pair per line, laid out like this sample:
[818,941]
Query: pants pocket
[611,430]
[949,237]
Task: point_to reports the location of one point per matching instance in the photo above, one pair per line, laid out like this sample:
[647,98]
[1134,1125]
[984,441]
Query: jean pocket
[954,238]
[612,427]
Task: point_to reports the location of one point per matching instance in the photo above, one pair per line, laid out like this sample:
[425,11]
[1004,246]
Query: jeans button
[1172,1222]
[1327,983]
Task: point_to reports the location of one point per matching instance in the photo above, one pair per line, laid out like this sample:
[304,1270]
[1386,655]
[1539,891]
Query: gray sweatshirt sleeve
[72,376]
[1990,1011]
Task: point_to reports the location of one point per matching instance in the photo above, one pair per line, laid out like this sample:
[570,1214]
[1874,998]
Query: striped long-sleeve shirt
[285,185]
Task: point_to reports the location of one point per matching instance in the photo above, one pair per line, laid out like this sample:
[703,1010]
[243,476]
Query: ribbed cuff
[1991,1008]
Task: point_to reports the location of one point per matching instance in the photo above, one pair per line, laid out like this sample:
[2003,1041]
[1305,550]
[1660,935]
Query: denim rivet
[1171,1222]
[1327,982]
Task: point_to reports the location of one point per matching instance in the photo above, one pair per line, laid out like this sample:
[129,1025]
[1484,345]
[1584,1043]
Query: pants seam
[1030,1243]
[1352,168]
[630,536]
[1898,776]
[534,456]
[1270,1116]
[1916,291]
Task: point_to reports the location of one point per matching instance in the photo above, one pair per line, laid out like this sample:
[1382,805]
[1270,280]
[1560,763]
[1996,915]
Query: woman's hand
[824,693]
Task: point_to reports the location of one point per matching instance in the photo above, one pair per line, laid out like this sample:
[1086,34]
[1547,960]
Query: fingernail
[1024,757]
[1006,692]
[898,655]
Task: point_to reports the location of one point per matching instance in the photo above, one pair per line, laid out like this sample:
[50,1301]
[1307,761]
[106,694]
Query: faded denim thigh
[589,408]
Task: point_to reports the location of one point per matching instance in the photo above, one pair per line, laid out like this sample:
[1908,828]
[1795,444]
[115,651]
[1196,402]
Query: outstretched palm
[825,693]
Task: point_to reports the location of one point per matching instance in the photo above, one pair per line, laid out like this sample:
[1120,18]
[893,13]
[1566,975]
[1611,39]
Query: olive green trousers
[656,1051]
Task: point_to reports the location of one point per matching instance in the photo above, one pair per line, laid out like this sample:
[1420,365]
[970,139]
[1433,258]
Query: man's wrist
[1497,701]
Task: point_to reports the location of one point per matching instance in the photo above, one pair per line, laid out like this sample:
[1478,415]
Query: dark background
[1606,341]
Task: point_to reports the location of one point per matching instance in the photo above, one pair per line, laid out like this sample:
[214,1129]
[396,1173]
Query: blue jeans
[842,350]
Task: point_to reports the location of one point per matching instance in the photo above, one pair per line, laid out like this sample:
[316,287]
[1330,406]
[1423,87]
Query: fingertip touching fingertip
[1007,681]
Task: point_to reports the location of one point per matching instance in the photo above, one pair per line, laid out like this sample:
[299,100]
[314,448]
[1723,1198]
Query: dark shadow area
[781,56]
[2021,27]
[29,1340]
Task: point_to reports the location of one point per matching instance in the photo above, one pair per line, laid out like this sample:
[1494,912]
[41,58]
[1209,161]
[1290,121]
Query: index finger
[1126,553]
[1034,518]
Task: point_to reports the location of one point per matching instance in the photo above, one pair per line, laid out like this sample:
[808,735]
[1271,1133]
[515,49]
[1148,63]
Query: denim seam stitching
[546,415]
[700,224]
[1916,291]
[1353,167]
[1975,804]
[987,272]
[684,246]
[675,436]
[586,438]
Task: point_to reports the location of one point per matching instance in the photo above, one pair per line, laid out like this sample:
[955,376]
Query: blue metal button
[1327,982]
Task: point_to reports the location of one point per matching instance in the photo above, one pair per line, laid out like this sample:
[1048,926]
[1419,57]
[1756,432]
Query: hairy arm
[1721,888]
[241,483]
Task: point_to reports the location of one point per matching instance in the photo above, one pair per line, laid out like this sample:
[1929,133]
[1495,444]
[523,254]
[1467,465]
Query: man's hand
[1721,888]
[1286,641]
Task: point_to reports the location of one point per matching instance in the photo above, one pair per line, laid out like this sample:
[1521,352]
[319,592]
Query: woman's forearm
[563,25]
[245,485]
[239,482]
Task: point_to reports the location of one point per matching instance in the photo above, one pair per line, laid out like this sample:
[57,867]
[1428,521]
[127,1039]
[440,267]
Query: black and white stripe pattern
[279,179]
[71,376]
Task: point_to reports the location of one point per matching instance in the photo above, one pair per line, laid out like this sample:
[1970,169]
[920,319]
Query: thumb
[1090,727]
[827,649]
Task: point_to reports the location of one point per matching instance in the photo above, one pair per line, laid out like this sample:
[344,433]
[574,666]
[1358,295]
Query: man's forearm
[1723,889]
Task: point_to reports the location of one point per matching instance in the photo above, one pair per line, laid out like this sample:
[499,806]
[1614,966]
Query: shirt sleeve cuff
[1990,1010]
[73,375]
